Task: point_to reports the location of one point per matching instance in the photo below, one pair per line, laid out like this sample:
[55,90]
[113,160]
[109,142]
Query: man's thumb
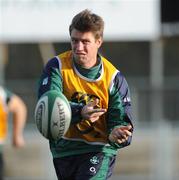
[93,102]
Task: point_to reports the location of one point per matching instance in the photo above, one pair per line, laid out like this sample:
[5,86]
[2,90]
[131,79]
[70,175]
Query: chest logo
[94,160]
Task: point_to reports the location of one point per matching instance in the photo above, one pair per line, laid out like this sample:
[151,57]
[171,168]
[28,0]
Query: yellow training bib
[3,120]
[80,89]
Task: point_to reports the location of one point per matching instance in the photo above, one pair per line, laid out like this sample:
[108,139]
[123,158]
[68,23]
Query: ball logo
[62,118]
[55,123]
[58,118]
[41,113]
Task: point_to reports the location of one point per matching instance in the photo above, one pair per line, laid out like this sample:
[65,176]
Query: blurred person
[11,103]
[100,101]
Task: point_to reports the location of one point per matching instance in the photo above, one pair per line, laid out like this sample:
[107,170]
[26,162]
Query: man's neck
[91,73]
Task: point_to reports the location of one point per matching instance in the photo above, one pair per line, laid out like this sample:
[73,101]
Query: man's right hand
[90,112]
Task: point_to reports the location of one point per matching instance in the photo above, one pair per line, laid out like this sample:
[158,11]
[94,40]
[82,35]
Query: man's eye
[74,40]
[85,42]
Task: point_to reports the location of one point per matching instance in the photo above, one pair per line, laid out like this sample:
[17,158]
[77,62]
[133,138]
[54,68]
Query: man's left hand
[120,134]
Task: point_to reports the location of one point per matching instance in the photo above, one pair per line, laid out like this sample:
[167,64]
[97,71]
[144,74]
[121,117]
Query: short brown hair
[86,21]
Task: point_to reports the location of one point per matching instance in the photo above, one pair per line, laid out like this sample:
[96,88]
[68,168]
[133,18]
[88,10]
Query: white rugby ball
[53,115]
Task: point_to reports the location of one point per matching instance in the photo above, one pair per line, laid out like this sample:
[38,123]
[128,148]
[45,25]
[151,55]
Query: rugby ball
[52,115]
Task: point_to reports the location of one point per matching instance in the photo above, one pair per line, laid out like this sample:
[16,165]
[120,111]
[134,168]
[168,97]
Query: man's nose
[79,46]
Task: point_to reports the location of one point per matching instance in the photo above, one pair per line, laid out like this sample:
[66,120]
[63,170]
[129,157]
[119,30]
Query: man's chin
[80,58]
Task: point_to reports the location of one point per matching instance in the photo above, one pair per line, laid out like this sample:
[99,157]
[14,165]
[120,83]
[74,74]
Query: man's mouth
[80,54]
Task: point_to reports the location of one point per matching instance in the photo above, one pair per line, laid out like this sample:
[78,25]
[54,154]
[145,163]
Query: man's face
[85,47]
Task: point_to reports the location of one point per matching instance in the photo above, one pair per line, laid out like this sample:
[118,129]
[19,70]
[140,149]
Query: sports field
[144,159]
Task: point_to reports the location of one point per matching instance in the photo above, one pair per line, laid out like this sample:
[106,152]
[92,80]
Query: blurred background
[141,38]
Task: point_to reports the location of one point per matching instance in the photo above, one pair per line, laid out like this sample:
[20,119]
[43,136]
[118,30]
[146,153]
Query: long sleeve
[51,78]
[119,109]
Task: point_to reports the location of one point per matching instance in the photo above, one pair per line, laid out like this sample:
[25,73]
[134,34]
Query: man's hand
[18,141]
[121,134]
[91,111]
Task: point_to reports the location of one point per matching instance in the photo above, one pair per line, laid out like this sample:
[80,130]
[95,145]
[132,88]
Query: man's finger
[120,141]
[97,114]
[97,111]
[128,133]
[93,103]
[129,127]
[124,132]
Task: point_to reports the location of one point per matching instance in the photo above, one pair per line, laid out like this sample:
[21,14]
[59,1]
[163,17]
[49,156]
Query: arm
[119,113]
[51,78]
[18,109]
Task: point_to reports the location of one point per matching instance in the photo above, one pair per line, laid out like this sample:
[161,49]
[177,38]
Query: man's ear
[99,42]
